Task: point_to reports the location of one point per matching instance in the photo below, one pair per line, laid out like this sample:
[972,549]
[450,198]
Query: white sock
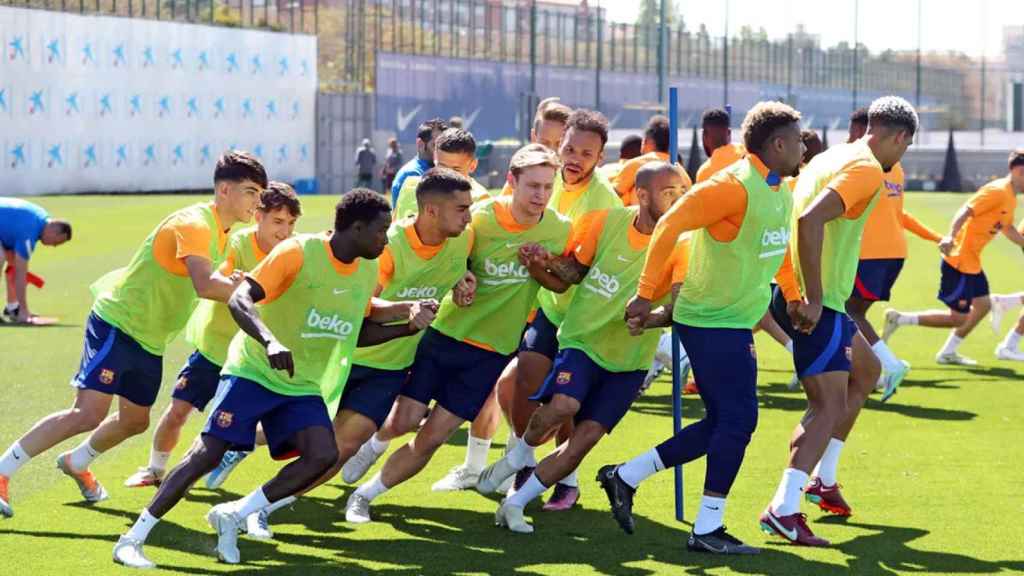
[140,530]
[638,469]
[476,453]
[274,506]
[14,458]
[378,446]
[787,497]
[789,346]
[531,489]
[521,455]
[710,515]
[905,319]
[828,466]
[82,456]
[373,488]
[571,479]
[889,360]
[952,343]
[158,461]
[255,501]
[1011,342]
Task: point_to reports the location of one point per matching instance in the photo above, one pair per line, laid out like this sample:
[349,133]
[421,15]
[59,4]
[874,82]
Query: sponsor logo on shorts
[415,292]
[606,285]
[324,326]
[496,274]
[106,376]
[774,242]
[224,418]
[563,378]
[182,383]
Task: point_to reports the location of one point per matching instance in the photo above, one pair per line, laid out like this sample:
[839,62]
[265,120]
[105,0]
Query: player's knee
[135,424]
[177,414]
[562,407]
[347,448]
[323,458]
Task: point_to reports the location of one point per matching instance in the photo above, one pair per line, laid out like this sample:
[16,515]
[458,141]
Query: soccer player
[716,136]
[883,251]
[550,123]
[454,149]
[834,196]
[211,328]
[740,218]
[629,148]
[22,224]
[137,311]
[461,356]
[813,145]
[424,159]
[578,190]
[1001,304]
[964,286]
[282,365]
[654,149]
[599,369]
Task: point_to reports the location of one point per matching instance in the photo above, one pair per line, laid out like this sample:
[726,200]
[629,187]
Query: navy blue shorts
[540,336]
[241,404]
[371,391]
[957,289]
[604,396]
[779,312]
[875,278]
[197,381]
[459,376]
[114,363]
[827,348]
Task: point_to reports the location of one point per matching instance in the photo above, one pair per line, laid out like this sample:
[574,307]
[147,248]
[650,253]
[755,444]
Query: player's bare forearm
[568,269]
[373,333]
[1014,235]
[242,305]
[661,317]
[547,278]
[958,222]
[209,283]
[385,311]
[810,236]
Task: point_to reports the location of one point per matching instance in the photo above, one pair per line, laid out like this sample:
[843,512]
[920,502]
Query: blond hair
[532,155]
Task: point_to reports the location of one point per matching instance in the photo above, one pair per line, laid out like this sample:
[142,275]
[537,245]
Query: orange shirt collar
[503,213]
[339,266]
[422,250]
[637,239]
[260,254]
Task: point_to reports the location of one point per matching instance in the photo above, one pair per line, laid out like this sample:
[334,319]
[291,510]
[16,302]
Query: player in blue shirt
[424,159]
[22,224]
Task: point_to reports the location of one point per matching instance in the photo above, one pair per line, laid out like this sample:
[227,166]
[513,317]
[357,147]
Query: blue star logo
[179,154]
[3,99]
[258,150]
[257,65]
[304,152]
[17,48]
[193,107]
[122,154]
[36,102]
[204,60]
[295,109]
[232,62]
[87,55]
[90,155]
[119,55]
[72,102]
[247,108]
[105,107]
[165,106]
[204,154]
[218,107]
[282,153]
[150,152]
[271,108]
[147,57]
[176,59]
[19,155]
[283,63]
[136,103]
[54,156]
[54,50]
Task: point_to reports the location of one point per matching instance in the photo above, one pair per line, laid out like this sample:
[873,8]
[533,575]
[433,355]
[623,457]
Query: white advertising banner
[102,104]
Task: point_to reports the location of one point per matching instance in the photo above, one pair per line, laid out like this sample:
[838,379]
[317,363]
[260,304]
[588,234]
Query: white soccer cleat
[145,476]
[893,379]
[511,517]
[227,465]
[359,464]
[128,552]
[91,489]
[1004,353]
[224,520]
[257,525]
[996,314]
[357,509]
[892,324]
[652,374]
[493,476]
[459,478]
[952,358]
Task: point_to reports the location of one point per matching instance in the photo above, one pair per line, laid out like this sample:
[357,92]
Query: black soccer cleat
[620,496]
[719,542]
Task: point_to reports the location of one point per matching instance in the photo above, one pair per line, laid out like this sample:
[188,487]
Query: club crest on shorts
[849,353]
[106,376]
[182,383]
[753,352]
[563,378]
[224,418]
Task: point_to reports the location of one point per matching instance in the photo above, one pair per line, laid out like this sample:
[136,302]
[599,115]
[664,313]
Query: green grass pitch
[934,476]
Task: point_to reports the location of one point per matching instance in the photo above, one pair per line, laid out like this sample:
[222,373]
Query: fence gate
[343,120]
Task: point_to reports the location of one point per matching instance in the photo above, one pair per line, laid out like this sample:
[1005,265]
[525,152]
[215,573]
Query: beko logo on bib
[507,273]
[601,283]
[417,292]
[332,326]
[774,242]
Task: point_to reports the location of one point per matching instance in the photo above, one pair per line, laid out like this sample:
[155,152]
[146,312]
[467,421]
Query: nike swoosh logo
[405,119]
[789,534]
[337,292]
[469,120]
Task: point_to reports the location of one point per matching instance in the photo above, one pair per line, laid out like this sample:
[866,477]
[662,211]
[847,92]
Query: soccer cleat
[511,517]
[1004,353]
[257,525]
[494,475]
[620,496]
[893,379]
[952,358]
[458,478]
[90,488]
[892,324]
[792,527]
[828,498]
[227,524]
[564,497]
[996,314]
[719,542]
[219,475]
[146,476]
[5,498]
[690,388]
[652,374]
[360,462]
[357,509]
[519,479]
[128,552]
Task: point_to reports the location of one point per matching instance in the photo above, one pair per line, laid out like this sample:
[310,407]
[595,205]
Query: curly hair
[280,195]
[359,205]
[583,120]
[763,120]
[893,112]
